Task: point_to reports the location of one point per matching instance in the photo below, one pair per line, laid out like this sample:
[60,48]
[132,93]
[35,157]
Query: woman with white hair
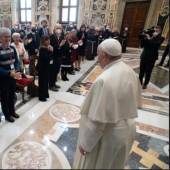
[107,127]
[9,72]
[20,49]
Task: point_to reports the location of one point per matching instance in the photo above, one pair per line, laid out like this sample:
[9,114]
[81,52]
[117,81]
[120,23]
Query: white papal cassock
[107,129]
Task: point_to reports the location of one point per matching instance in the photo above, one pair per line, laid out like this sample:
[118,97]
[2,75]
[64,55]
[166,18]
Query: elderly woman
[20,49]
[107,127]
[9,67]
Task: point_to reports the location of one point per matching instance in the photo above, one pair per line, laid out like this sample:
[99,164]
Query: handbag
[26,61]
[24,81]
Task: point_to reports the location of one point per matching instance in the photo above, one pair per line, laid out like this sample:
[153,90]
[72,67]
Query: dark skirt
[66,61]
[74,55]
[82,50]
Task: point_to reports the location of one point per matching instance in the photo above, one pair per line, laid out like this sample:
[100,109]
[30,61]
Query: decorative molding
[5,13]
[42,10]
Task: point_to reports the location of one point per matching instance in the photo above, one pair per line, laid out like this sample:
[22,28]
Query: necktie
[45,31]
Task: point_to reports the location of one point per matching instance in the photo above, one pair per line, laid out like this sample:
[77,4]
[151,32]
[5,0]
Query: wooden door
[134,18]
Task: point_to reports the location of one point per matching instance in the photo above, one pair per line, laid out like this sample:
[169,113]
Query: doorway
[134,18]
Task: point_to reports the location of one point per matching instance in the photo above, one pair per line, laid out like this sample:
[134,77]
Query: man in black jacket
[57,41]
[151,45]
[44,31]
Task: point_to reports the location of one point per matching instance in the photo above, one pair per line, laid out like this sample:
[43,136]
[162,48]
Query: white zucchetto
[111,47]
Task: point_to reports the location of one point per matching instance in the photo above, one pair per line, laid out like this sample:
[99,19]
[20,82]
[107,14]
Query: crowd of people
[61,51]
[48,54]
[69,48]
[107,125]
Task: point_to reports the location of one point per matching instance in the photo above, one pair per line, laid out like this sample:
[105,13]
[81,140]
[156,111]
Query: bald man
[107,128]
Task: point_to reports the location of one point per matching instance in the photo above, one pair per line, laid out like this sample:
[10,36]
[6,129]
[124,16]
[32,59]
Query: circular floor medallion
[27,155]
[66,113]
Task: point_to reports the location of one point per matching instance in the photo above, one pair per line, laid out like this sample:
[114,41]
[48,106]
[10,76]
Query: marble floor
[45,136]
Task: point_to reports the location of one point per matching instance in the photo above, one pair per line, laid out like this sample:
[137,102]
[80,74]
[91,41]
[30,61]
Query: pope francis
[107,128]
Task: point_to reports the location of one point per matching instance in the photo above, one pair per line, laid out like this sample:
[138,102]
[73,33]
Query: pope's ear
[107,56]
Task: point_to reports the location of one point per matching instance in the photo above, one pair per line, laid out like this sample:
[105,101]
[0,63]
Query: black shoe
[15,115]
[160,64]
[54,89]
[42,99]
[47,95]
[144,87]
[76,69]
[57,86]
[66,79]
[72,73]
[10,119]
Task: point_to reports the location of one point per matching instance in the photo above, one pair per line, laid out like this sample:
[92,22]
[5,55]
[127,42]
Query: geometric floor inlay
[66,113]
[159,77]
[147,152]
[27,155]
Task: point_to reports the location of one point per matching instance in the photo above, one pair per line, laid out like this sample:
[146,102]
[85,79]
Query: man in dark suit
[57,41]
[44,31]
[151,45]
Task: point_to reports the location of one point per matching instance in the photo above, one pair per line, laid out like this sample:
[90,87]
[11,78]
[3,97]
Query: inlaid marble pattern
[81,87]
[66,113]
[160,77]
[153,103]
[97,70]
[32,149]
[134,63]
[147,152]
[155,106]
[152,129]
[27,155]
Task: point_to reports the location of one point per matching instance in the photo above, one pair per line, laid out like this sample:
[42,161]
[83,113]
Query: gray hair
[15,35]
[4,30]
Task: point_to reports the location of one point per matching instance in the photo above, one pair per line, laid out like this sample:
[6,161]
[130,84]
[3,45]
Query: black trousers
[164,55]
[43,85]
[64,71]
[146,68]
[53,72]
[7,95]
[32,67]
[124,45]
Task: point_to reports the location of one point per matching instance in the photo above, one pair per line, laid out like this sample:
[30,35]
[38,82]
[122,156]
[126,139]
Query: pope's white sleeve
[89,134]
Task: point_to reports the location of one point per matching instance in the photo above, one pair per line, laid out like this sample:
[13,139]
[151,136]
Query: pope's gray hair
[4,30]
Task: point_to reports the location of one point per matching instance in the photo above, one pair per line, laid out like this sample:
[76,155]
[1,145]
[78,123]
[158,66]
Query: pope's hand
[82,151]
